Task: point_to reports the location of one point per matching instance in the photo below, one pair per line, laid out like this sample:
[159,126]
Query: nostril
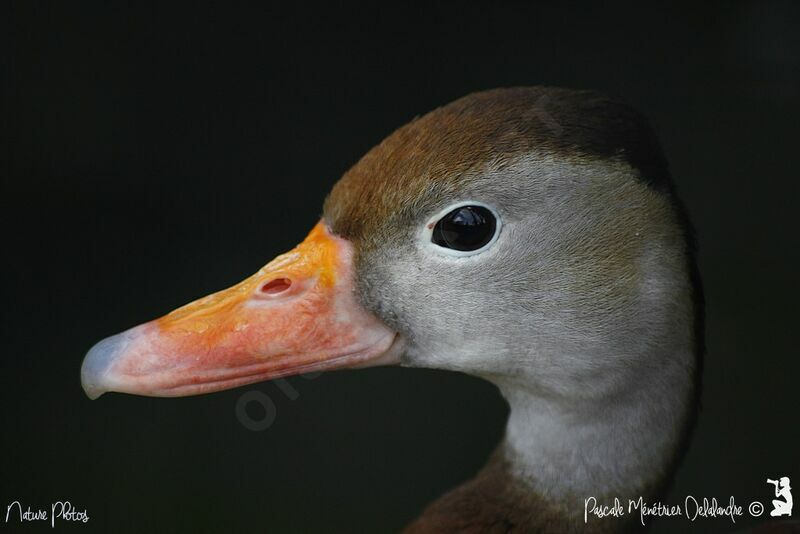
[276,286]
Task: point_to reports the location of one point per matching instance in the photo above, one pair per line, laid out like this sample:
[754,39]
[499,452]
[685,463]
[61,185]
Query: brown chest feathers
[495,502]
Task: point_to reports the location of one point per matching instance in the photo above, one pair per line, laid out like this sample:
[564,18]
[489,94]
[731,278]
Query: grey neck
[622,446]
[559,451]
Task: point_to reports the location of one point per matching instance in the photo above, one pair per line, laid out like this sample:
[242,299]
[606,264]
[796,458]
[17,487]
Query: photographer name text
[692,509]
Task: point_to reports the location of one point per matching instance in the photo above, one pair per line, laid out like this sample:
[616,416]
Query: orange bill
[297,314]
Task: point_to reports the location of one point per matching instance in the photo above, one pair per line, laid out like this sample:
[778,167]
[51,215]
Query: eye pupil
[466,228]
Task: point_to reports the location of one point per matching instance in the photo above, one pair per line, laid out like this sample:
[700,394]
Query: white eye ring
[427,230]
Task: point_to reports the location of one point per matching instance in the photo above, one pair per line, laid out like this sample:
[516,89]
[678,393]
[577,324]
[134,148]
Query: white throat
[572,450]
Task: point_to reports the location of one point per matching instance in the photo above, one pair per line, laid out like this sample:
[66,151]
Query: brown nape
[495,502]
[426,157]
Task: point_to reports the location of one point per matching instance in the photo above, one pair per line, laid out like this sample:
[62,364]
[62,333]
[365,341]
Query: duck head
[529,236]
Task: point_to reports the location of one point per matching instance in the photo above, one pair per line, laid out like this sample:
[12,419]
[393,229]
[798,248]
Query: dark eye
[466,228]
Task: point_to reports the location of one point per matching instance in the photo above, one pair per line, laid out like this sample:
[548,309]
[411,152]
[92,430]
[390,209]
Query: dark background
[154,155]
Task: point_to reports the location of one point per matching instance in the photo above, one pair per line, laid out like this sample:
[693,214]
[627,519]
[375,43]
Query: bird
[529,236]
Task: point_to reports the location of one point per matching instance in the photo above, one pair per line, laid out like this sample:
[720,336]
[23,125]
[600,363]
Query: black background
[157,154]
